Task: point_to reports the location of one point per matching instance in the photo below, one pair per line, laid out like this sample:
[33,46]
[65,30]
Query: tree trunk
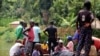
[45,16]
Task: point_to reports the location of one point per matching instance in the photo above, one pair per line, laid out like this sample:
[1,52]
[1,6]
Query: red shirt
[31,35]
[96,42]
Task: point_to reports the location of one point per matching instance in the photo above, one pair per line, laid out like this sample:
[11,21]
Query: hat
[60,41]
[69,38]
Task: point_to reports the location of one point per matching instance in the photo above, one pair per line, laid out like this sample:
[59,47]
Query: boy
[36,51]
[44,48]
[60,47]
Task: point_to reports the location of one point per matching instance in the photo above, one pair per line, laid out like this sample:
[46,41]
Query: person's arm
[24,32]
[20,30]
[45,31]
[92,17]
[70,46]
[39,33]
[56,33]
[56,49]
[91,20]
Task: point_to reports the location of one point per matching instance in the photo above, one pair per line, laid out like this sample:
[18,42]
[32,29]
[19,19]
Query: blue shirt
[76,36]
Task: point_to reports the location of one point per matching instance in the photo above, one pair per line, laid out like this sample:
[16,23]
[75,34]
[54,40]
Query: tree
[0,4]
[44,9]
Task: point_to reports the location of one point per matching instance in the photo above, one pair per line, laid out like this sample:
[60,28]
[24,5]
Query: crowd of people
[80,44]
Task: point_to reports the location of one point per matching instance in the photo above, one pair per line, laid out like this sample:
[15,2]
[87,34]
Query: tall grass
[6,21]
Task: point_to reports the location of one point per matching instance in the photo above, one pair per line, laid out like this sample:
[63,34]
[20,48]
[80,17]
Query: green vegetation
[7,39]
[43,11]
[5,21]
[96,32]
[4,48]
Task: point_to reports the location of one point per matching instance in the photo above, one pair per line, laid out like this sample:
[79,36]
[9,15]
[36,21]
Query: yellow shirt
[44,46]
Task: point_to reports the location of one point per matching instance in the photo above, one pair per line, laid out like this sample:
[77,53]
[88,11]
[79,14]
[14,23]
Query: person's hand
[29,37]
[87,25]
[78,30]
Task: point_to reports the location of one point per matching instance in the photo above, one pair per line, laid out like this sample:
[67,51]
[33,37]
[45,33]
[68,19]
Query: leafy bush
[96,32]
[43,37]
[7,34]
[2,29]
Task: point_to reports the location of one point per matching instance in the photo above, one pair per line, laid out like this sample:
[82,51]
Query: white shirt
[36,32]
[14,48]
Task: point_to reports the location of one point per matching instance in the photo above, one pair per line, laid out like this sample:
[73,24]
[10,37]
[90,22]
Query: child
[44,48]
[60,47]
[16,49]
[36,51]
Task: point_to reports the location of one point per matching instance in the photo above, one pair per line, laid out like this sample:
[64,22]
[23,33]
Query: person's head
[36,24]
[18,41]
[31,23]
[51,23]
[60,43]
[24,24]
[69,38]
[87,5]
[58,38]
[37,46]
[21,23]
[44,42]
[20,45]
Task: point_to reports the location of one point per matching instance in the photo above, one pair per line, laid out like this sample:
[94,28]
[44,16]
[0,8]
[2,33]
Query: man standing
[37,35]
[19,30]
[84,20]
[51,32]
[30,34]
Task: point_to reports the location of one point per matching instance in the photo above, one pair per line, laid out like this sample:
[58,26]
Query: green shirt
[19,32]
